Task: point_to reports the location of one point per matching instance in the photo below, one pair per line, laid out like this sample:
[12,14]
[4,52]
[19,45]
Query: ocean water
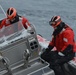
[39,12]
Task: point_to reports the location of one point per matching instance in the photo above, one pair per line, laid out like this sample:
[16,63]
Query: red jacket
[63,39]
[5,22]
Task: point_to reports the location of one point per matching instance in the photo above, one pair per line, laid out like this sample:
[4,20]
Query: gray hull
[20,55]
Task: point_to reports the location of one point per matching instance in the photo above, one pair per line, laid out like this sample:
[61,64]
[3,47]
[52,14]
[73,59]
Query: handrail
[39,69]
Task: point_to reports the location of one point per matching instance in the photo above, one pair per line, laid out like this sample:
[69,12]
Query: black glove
[49,48]
[46,54]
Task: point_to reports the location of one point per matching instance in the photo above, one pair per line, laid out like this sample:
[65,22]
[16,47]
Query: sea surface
[39,12]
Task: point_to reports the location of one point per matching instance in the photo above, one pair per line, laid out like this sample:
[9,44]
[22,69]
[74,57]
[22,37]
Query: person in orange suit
[63,40]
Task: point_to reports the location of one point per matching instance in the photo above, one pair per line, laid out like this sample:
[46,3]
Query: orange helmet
[11,13]
[55,21]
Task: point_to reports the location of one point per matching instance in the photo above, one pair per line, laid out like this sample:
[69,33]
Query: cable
[2,10]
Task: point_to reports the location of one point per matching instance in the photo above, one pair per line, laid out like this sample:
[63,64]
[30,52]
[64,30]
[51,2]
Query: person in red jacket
[13,17]
[63,40]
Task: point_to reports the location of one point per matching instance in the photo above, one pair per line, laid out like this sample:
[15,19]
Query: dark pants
[56,61]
